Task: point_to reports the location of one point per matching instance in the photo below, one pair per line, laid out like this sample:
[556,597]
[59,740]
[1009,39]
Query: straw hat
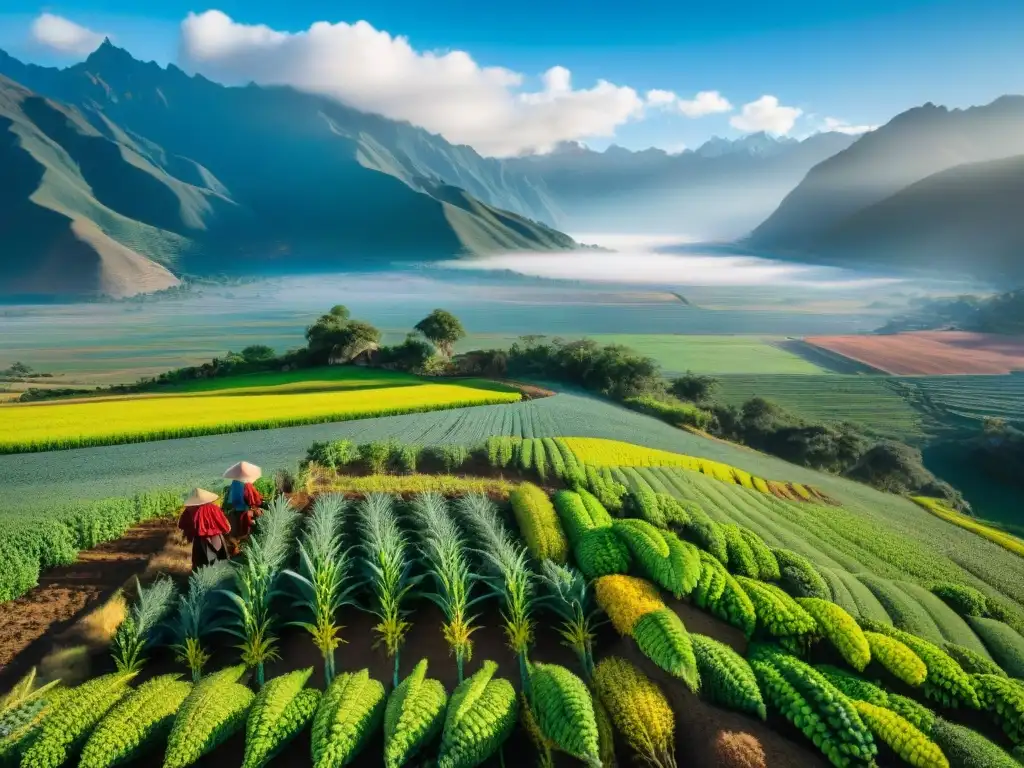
[198,497]
[244,471]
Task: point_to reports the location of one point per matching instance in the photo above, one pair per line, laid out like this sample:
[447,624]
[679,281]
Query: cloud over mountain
[445,92]
[766,114]
[64,35]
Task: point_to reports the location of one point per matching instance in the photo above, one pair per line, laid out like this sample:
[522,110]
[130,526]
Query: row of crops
[809,661]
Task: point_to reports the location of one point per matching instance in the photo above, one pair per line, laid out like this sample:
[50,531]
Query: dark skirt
[206,550]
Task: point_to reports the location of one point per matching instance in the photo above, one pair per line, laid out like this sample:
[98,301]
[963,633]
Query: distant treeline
[1002,313]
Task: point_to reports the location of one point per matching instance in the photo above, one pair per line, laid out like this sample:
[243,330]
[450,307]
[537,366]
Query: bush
[405,458]
[414,715]
[675,412]
[451,455]
[375,456]
[841,629]
[625,600]
[564,711]
[1003,699]
[972,662]
[280,711]
[909,743]
[777,613]
[480,717]
[349,714]
[215,710]
[1003,642]
[897,658]
[966,748]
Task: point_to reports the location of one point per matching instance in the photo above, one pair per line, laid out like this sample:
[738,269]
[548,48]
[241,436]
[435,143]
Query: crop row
[427,540]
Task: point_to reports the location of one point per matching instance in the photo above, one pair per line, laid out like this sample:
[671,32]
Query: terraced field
[872,401]
[975,397]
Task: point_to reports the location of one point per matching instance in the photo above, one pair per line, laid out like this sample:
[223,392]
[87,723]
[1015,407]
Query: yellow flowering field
[938,508]
[53,426]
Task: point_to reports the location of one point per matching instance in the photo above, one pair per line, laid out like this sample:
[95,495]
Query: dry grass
[735,749]
[97,628]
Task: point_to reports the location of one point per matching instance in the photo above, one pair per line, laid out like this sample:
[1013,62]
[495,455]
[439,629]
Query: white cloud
[841,126]
[446,93]
[766,114]
[704,103]
[64,35]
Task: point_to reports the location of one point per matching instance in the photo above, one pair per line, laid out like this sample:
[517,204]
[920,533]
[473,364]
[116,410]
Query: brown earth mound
[931,353]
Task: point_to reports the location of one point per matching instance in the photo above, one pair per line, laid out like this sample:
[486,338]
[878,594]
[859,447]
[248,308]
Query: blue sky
[856,61]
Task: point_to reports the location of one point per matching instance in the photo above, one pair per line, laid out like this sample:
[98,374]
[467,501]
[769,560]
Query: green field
[718,354]
[973,397]
[871,401]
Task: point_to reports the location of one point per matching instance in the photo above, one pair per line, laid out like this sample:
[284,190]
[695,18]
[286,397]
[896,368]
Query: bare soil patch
[931,353]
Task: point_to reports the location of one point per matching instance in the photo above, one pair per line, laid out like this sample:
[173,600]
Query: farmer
[243,497]
[205,526]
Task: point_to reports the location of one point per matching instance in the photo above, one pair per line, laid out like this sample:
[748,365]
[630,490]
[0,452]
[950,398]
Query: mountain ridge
[124,174]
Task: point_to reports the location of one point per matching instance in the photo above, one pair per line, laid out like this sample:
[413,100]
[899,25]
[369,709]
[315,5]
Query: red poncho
[252,497]
[203,521]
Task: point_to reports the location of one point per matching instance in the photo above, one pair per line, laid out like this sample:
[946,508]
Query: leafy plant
[68,726]
[799,577]
[350,711]
[323,578]
[968,748]
[387,568]
[539,524]
[662,637]
[564,711]
[137,725]
[480,717]
[726,678]
[23,710]
[1003,699]
[140,628]
[214,710]
[639,710]
[841,629]
[897,658]
[506,572]
[278,714]
[442,548]
[414,715]
[777,613]
[256,582]
[375,456]
[912,746]
[196,616]
[626,599]
[568,596]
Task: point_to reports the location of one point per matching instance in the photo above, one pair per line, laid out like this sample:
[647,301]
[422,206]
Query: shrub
[663,639]
[966,748]
[608,491]
[726,677]
[575,476]
[1003,699]
[777,613]
[897,658]
[706,533]
[526,455]
[405,458]
[741,558]
[564,711]
[279,713]
[967,601]
[841,629]
[946,682]
[539,524]
[554,457]
[214,710]
[675,513]
[331,455]
[595,508]
[540,459]
[451,456]
[972,663]
[912,746]
[673,411]
[350,712]
[684,559]
[414,715]
[480,717]
[735,749]
[375,456]
[799,577]
[674,568]
[68,726]
[645,503]
[137,724]
[639,710]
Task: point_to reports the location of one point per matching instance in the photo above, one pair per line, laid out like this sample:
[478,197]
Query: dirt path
[33,621]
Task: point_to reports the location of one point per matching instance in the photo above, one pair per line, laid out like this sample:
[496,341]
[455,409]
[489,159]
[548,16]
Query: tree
[334,338]
[258,353]
[340,311]
[694,387]
[443,329]
[18,368]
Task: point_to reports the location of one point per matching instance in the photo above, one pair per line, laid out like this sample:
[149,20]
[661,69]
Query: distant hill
[966,220]
[719,191]
[118,175]
[865,204]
